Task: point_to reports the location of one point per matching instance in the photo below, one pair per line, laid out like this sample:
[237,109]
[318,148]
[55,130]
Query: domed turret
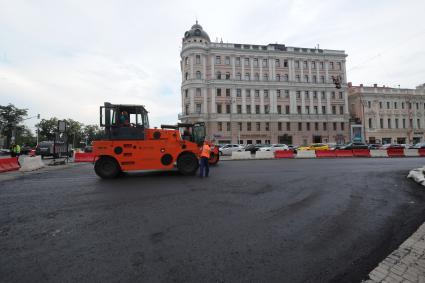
[196,32]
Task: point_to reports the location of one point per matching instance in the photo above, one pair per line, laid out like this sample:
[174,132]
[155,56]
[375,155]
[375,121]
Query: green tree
[26,137]
[74,131]
[10,119]
[47,129]
[91,133]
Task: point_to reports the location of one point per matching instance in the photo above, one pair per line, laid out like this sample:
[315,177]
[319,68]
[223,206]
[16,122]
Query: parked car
[406,145]
[229,148]
[45,148]
[392,145]
[374,146]
[314,146]
[419,145]
[274,147]
[355,145]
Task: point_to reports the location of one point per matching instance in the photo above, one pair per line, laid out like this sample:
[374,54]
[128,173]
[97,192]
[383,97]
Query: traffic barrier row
[391,152]
[84,157]
[9,164]
[31,163]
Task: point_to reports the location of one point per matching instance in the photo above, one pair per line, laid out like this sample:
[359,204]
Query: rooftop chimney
[375,85]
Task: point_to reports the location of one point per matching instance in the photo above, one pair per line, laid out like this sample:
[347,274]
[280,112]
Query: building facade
[389,115]
[271,93]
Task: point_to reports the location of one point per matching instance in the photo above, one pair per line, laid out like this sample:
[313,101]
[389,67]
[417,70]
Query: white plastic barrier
[378,153]
[417,175]
[31,163]
[306,154]
[411,152]
[238,155]
[264,155]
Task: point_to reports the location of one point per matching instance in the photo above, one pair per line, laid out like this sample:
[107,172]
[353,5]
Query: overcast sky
[65,58]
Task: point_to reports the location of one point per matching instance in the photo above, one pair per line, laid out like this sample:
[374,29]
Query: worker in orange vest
[205,156]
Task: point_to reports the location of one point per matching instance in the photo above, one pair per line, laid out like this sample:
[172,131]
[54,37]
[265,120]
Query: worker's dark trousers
[204,167]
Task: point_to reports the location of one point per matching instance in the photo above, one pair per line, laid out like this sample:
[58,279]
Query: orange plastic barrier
[344,153]
[325,153]
[395,152]
[284,154]
[84,157]
[361,152]
[421,152]
[9,164]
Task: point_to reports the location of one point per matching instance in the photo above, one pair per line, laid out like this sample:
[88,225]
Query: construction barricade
[264,155]
[284,154]
[421,152]
[84,157]
[306,154]
[344,153]
[395,152]
[411,152]
[240,155]
[325,153]
[361,153]
[31,164]
[378,153]
[9,164]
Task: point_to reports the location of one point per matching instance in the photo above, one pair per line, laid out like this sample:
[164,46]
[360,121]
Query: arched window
[278,77]
[266,77]
[186,76]
[238,76]
[218,75]
[186,61]
[198,75]
[257,77]
[247,77]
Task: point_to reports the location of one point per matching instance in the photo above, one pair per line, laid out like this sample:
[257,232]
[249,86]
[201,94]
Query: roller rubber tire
[187,164]
[107,168]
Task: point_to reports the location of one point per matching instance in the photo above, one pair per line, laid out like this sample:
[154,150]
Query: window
[339,65]
[316,126]
[323,109]
[258,126]
[198,92]
[298,94]
[227,76]
[198,59]
[305,65]
[404,123]
[314,79]
[298,78]
[340,95]
[219,108]
[334,126]
[266,109]
[198,75]
[220,126]
[389,124]
[266,77]
[411,123]
[297,64]
[306,78]
[248,93]
[255,62]
[257,93]
[287,109]
[307,126]
[240,126]
[279,109]
[227,60]
[380,104]
[238,92]
[418,121]
[369,104]
[277,63]
[267,126]
[186,109]
[217,60]
[342,126]
[265,62]
[247,77]
[239,109]
[218,75]
[238,61]
[333,94]
[278,93]
[278,77]
[228,108]
[331,65]
[285,77]
[316,110]
[299,109]
[417,106]
[238,76]
[388,105]
[288,126]
[300,126]
[257,76]
[257,109]
[307,109]
[266,93]
[323,95]
[370,123]
[286,93]
[395,105]
[325,126]
[186,92]
[381,123]
[246,61]
[334,109]
[402,105]
[228,92]
[186,61]
[285,63]
[248,109]
[186,76]
[314,94]
[218,91]
[396,123]
[228,126]
[322,79]
[321,65]
[279,126]
[248,126]
[307,96]
[341,109]
[198,108]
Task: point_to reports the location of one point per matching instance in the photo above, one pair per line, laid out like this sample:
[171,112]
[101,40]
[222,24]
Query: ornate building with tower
[248,93]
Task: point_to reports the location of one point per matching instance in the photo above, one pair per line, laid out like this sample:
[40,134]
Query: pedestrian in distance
[204,157]
[12,150]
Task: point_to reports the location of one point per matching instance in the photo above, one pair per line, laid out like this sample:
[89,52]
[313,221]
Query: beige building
[389,115]
[271,93]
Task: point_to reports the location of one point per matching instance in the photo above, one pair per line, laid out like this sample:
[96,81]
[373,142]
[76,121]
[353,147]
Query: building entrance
[317,139]
[285,139]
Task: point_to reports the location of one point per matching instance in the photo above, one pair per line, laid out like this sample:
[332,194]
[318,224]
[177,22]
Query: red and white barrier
[395,152]
[84,157]
[9,164]
[284,154]
[344,153]
[325,153]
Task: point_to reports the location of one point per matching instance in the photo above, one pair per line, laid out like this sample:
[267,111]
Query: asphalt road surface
[329,220]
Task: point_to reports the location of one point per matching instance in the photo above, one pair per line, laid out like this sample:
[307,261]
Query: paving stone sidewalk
[406,264]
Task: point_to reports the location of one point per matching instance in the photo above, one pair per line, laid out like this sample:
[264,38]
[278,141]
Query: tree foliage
[11,118]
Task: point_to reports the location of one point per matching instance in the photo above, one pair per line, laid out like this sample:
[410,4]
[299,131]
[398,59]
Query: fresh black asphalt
[329,220]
